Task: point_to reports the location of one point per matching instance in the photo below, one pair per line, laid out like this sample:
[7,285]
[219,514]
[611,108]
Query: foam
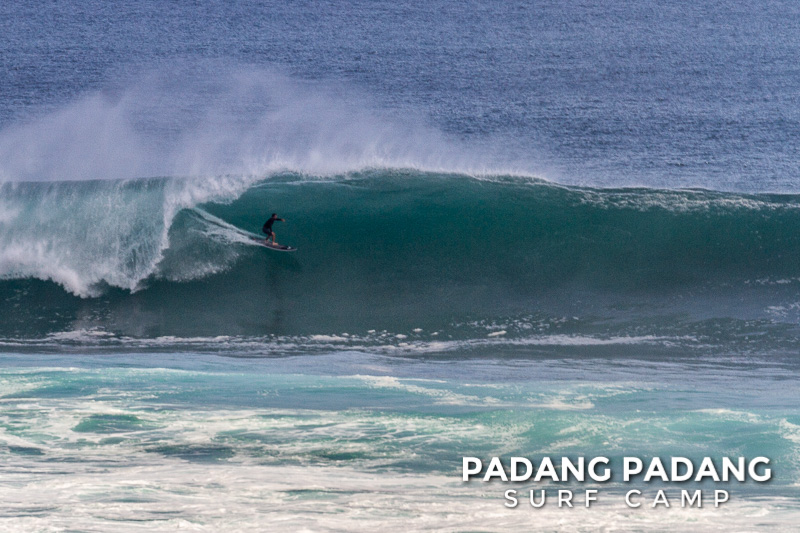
[164,495]
[790,432]
[440,396]
[377,343]
[355,466]
[678,201]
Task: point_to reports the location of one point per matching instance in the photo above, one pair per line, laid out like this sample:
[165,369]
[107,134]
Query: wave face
[395,250]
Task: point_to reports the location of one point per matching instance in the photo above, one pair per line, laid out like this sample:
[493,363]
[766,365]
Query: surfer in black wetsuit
[268,228]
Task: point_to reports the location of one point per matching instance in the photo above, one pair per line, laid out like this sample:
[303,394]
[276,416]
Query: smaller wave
[378,342]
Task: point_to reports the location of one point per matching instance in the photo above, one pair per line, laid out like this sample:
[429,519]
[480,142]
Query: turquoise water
[205,441]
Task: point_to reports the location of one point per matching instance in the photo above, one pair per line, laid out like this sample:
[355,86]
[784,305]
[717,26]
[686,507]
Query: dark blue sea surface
[611,92]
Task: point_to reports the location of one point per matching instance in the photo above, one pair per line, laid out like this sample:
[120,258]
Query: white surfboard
[273,246]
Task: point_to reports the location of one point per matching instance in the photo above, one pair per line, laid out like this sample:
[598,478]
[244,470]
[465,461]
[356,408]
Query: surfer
[268,228]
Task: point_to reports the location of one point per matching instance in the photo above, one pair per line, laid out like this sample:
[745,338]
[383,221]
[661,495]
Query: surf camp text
[603,470]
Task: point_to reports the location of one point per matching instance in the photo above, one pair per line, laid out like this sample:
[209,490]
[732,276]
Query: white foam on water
[791,432]
[167,494]
[441,396]
[441,392]
[386,343]
[677,200]
[116,460]
[730,414]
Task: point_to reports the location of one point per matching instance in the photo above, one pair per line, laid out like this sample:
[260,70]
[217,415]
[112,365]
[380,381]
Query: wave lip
[84,234]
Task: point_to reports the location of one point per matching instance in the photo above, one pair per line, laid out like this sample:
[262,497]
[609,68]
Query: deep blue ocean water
[536,229]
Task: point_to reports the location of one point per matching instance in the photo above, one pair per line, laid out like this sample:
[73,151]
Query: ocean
[523,229]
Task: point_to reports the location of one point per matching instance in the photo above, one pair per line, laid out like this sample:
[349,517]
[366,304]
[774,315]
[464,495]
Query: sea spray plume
[201,120]
[92,138]
[266,123]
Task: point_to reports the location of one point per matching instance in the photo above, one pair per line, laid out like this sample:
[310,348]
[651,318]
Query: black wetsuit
[268,226]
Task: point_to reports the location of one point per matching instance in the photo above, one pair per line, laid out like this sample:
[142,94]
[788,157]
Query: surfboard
[271,246]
